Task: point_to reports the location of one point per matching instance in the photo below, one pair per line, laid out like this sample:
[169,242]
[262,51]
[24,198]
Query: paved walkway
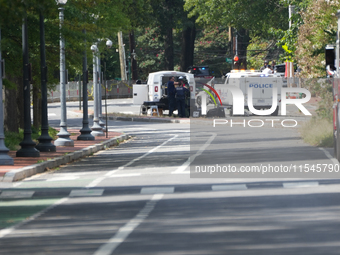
[27,166]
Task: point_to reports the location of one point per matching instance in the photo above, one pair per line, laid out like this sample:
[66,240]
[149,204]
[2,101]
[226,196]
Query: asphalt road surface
[140,197]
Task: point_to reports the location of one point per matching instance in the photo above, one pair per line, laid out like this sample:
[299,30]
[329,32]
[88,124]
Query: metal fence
[74,91]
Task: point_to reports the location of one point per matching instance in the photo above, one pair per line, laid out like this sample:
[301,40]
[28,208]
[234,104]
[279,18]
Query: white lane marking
[328,155]
[95,182]
[86,193]
[300,184]
[141,157]
[16,194]
[155,190]
[62,178]
[229,187]
[9,230]
[125,175]
[110,173]
[128,228]
[187,163]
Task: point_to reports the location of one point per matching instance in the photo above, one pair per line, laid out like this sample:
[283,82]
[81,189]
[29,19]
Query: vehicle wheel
[276,112]
[231,112]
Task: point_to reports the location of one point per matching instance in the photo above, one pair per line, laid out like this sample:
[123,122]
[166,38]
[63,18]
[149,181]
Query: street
[144,197]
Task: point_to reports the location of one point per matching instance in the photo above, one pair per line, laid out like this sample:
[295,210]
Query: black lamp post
[45,139]
[27,145]
[85,131]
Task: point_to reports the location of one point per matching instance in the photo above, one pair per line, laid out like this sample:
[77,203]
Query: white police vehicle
[261,84]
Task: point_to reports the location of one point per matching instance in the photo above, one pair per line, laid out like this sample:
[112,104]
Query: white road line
[7,231]
[125,175]
[229,187]
[86,193]
[110,173]
[335,161]
[187,163]
[16,194]
[300,184]
[128,228]
[141,157]
[95,182]
[62,178]
[156,190]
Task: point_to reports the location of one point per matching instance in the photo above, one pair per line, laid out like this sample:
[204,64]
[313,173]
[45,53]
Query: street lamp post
[45,139]
[99,95]
[27,145]
[64,136]
[85,131]
[97,130]
[4,158]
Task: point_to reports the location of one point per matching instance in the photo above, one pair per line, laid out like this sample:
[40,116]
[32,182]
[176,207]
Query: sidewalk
[27,166]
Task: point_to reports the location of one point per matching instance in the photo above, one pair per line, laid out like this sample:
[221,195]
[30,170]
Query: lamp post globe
[109,43]
[61,2]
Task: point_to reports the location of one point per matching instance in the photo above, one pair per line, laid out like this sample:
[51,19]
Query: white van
[262,87]
[156,86]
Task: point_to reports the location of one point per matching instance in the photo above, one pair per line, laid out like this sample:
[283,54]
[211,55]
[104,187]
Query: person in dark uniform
[181,91]
[265,65]
[171,94]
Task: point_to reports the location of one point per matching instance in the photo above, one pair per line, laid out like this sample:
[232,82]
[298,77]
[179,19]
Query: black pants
[172,104]
[181,107]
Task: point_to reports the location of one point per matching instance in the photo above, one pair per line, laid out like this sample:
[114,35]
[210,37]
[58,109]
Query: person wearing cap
[171,94]
[265,65]
[181,91]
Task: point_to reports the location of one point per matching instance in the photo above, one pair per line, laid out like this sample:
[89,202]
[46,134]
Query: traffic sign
[229,60]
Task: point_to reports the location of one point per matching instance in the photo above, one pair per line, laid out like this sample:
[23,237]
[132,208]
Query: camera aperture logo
[241,101]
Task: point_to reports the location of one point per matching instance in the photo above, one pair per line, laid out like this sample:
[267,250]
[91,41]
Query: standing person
[171,94]
[273,66]
[180,98]
[265,65]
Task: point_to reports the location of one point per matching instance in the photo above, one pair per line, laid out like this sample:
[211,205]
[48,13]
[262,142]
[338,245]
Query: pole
[97,130]
[79,91]
[105,82]
[27,145]
[4,158]
[122,57]
[45,139]
[64,136]
[85,131]
[100,81]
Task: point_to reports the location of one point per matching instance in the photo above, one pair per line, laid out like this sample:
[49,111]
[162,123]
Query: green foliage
[211,48]
[150,51]
[318,29]
[12,139]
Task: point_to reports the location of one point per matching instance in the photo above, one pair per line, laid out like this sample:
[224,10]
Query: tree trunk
[133,60]
[11,120]
[188,45]
[243,42]
[169,50]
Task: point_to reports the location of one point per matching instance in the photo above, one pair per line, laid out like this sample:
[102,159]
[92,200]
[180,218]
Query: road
[143,197]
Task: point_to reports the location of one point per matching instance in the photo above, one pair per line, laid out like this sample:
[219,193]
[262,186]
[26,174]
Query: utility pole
[122,56]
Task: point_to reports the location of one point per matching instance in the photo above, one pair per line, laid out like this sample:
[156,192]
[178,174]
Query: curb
[22,173]
[147,119]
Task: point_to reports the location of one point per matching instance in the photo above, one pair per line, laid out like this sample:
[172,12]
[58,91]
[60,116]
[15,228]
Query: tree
[101,19]
[249,18]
